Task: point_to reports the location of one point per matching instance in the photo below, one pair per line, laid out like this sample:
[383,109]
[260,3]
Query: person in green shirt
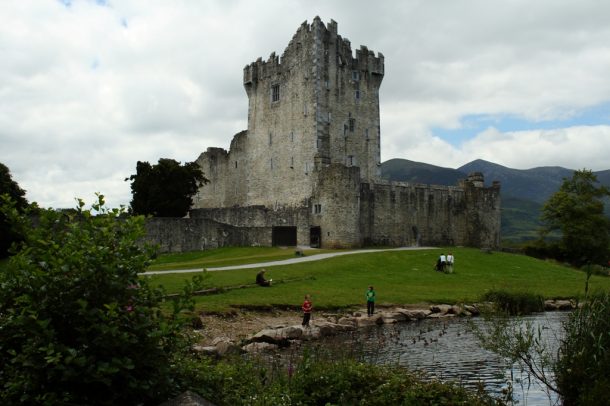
[370,301]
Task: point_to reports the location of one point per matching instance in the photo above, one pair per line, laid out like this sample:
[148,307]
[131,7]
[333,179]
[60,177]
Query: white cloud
[88,90]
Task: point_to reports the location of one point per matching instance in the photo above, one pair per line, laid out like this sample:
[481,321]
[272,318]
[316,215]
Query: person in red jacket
[307,306]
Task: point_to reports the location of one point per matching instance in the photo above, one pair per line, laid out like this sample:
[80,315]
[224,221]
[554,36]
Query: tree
[165,189]
[577,211]
[77,324]
[10,188]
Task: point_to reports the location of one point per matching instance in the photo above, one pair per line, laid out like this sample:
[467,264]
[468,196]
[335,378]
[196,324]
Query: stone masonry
[307,169]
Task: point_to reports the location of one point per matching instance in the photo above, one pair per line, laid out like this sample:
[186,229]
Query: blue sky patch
[473,124]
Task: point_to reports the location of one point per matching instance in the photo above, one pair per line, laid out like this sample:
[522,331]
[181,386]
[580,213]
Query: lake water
[445,349]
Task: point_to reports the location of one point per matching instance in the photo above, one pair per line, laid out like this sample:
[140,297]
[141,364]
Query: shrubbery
[322,379]
[515,303]
[77,325]
[582,370]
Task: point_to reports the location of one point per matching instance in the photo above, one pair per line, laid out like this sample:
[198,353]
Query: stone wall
[402,214]
[198,234]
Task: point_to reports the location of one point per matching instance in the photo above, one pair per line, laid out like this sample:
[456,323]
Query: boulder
[330,329]
[550,305]
[564,305]
[226,347]
[472,309]
[276,336]
[441,308]
[440,315]
[394,317]
[366,321]
[259,347]
[417,314]
[347,321]
[206,350]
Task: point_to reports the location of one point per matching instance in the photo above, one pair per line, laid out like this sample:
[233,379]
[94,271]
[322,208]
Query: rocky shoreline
[286,333]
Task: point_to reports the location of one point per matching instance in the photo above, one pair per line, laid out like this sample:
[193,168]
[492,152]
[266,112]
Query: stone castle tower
[314,106]
[307,169]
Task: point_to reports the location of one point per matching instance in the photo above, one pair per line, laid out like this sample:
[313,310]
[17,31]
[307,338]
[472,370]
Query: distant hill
[523,191]
[536,184]
[403,170]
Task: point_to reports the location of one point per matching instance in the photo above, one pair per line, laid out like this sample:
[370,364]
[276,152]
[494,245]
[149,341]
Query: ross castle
[307,169]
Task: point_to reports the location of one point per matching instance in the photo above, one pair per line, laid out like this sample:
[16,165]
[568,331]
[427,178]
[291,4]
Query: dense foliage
[582,369]
[165,189]
[10,189]
[322,378]
[77,325]
[578,370]
[515,303]
[577,211]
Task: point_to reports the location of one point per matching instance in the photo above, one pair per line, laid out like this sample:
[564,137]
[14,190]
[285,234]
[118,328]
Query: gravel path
[315,257]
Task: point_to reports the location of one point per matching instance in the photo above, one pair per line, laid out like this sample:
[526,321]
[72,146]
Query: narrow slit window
[275,93]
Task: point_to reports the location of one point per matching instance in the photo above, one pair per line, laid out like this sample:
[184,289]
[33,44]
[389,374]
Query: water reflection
[445,349]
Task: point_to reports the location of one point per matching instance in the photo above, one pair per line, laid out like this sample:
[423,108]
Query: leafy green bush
[515,303]
[77,325]
[317,379]
[582,369]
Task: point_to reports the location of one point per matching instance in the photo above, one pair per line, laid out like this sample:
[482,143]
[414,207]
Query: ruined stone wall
[401,214]
[197,234]
[261,217]
[227,172]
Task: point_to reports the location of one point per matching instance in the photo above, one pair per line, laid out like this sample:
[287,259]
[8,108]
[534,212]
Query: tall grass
[515,303]
[582,370]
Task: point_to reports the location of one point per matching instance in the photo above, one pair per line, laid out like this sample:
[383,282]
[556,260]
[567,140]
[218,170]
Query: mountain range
[523,191]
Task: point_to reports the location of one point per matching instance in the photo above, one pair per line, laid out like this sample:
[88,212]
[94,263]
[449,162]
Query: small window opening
[275,93]
[355,75]
[317,208]
[352,124]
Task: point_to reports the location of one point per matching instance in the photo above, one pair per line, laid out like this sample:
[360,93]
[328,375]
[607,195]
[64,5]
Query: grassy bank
[221,257]
[399,277]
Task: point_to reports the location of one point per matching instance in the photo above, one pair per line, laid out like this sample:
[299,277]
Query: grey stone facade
[306,171]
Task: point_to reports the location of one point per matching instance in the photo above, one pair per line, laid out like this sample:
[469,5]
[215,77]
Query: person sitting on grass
[260,279]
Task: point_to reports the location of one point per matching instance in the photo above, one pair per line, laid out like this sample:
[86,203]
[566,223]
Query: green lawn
[225,257]
[399,277]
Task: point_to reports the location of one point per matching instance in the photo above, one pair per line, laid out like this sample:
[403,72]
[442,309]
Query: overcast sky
[88,88]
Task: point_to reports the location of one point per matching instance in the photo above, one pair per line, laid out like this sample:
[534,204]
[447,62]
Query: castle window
[235,164]
[352,124]
[291,136]
[291,162]
[271,163]
[306,168]
[350,160]
[355,75]
[317,208]
[357,94]
[305,109]
[345,128]
[270,139]
[329,116]
[275,93]
[366,134]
